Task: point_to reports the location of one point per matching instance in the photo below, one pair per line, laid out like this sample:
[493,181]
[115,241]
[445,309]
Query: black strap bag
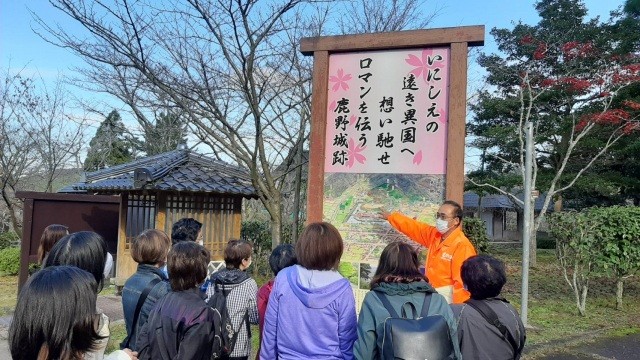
[141,299]
[492,318]
[418,337]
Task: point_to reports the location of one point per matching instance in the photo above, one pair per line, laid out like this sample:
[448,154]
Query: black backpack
[417,338]
[224,343]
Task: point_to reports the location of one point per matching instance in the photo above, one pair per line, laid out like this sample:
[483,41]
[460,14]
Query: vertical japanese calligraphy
[387,112]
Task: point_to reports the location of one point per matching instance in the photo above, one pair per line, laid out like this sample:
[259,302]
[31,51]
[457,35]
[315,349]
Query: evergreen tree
[110,146]
[568,76]
[165,135]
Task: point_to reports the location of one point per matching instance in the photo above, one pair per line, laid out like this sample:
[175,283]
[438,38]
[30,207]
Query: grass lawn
[552,309]
[118,333]
[8,294]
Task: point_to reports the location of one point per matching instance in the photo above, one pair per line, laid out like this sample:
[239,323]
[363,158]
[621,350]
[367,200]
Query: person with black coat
[181,325]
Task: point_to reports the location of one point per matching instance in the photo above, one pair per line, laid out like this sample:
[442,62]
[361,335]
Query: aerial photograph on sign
[352,202]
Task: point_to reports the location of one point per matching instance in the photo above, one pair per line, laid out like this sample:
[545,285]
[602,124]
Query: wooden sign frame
[458,39]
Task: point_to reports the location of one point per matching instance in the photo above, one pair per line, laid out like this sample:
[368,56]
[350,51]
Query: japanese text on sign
[387,112]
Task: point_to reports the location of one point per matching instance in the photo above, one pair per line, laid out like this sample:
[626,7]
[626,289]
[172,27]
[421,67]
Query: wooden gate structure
[78,212]
[155,192]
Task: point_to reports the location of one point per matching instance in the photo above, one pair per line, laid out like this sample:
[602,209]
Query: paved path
[619,348]
[111,305]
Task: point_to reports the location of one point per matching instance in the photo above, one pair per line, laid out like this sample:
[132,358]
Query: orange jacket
[444,258]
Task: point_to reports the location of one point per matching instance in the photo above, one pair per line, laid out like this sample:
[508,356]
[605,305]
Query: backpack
[492,318]
[417,338]
[223,347]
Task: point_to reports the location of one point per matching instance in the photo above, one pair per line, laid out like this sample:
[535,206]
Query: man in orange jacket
[447,245]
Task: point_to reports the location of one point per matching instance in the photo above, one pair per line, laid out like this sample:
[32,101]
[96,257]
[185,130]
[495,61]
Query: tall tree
[564,75]
[110,146]
[39,137]
[371,16]
[615,178]
[232,68]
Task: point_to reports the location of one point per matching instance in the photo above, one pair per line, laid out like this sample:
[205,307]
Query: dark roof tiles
[498,201]
[179,170]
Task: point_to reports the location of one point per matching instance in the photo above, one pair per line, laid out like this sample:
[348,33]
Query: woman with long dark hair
[87,251]
[50,237]
[399,280]
[54,317]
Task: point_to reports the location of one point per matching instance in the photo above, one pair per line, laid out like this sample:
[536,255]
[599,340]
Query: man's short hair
[185,229]
[319,247]
[484,276]
[150,247]
[187,265]
[235,252]
[284,255]
[457,209]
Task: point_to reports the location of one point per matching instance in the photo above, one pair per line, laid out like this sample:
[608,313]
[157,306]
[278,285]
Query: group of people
[56,315]
[174,309]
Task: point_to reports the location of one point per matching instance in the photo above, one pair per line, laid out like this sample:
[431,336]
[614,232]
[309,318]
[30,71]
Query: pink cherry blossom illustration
[417,158]
[354,153]
[422,65]
[340,80]
[332,106]
[353,120]
[443,116]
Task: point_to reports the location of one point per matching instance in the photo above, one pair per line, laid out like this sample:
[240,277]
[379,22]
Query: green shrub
[617,232]
[259,233]
[476,231]
[33,267]
[9,239]
[545,242]
[10,261]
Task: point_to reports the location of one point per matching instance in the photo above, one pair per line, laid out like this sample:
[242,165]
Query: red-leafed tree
[571,77]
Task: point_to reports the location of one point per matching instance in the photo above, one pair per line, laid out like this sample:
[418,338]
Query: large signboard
[387,132]
[385,146]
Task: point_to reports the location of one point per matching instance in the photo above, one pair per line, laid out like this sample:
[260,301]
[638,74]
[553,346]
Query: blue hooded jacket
[311,314]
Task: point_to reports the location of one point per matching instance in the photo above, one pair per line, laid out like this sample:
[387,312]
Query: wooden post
[315,188]
[161,213]
[456,129]
[123,254]
[25,249]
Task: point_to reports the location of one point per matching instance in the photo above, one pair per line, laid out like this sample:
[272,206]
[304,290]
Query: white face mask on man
[442,225]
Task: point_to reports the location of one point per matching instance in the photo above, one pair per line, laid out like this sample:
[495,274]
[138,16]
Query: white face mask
[442,226]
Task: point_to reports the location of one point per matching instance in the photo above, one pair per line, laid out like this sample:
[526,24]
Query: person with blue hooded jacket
[311,311]
[399,278]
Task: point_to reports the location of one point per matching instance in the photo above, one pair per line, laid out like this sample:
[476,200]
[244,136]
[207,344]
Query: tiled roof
[178,170]
[499,201]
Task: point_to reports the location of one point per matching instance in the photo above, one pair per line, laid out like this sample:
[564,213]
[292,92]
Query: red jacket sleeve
[263,300]
[417,231]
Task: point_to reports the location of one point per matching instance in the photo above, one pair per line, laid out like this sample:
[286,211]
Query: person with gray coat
[484,276]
